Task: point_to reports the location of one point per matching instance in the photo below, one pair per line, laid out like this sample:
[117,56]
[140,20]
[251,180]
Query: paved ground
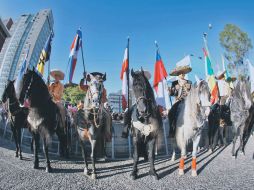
[216,171]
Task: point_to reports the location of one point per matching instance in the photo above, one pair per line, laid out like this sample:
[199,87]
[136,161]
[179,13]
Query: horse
[93,122]
[242,114]
[17,114]
[145,121]
[44,116]
[192,112]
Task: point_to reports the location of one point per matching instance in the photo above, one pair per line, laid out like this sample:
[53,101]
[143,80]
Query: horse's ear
[132,73]
[88,78]
[104,77]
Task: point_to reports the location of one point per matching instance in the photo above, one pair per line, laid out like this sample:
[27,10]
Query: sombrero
[231,79]
[220,75]
[57,72]
[180,70]
[147,74]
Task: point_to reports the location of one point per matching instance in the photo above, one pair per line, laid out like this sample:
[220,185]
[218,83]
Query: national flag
[211,79]
[75,46]
[124,78]
[21,73]
[45,54]
[160,83]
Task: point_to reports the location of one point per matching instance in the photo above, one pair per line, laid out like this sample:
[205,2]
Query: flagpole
[128,71]
[83,57]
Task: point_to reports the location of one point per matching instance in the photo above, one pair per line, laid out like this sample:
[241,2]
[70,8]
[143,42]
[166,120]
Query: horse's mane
[141,83]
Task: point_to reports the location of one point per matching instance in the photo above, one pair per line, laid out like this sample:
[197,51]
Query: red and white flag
[160,83]
[124,78]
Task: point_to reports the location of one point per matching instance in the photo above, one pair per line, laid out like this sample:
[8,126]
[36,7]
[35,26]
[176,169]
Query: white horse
[192,113]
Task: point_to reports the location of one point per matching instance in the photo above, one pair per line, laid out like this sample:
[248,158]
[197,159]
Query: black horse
[145,121]
[44,116]
[242,114]
[17,114]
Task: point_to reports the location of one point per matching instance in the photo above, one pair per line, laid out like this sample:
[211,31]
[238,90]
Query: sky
[176,25]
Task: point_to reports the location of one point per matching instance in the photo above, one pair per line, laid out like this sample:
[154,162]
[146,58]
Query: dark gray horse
[94,123]
[242,114]
[17,115]
[145,121]
[44,116]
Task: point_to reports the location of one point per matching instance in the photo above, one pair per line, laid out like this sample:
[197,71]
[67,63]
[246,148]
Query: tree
[73,94]
[236,44]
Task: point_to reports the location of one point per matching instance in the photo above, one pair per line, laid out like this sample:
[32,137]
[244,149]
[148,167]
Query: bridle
[28,88]
[147,100]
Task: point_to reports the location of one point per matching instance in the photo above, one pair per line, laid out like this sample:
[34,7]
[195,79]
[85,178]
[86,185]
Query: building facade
[29,31]
[115,102]
[4,33]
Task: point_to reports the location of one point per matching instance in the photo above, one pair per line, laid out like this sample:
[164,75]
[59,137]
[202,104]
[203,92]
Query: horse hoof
[194,173]
[181,171]
[48,169]
[94,176]
[134,176]
[210,151]
[154,175]
[173,159]
[36,166]
[16,155]
[86,172]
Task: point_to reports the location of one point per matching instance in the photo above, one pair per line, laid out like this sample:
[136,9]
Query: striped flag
[45,55]
[124,77]
[212,83]
[75,46]
[22,71]
[160,83]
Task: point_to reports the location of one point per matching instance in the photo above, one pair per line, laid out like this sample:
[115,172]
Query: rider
[179,89]
[56,90]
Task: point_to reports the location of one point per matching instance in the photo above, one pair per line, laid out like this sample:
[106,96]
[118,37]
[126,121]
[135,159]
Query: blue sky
[177,25]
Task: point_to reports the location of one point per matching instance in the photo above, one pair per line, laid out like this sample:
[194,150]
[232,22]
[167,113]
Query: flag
[21,73]
[76,44]
[211,79]
[160,83]
[45,55]
[251,71]
[124,78]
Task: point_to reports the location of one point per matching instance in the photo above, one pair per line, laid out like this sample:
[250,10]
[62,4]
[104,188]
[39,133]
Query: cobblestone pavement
[215,171]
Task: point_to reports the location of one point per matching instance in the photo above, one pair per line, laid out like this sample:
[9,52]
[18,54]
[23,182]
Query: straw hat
[220,75]
[57,72]
[180,70]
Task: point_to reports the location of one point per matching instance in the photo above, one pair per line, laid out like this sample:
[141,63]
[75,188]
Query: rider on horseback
[179,89]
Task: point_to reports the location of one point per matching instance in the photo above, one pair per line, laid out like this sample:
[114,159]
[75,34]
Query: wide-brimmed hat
[57,72]
[180,70]
[220,75]
[147,74]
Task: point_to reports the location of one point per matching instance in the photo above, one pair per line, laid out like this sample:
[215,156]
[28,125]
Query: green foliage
[236,43]
[73,94]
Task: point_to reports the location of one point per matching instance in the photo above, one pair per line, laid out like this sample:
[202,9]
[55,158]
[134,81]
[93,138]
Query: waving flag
[125,78]
[211,78]
[160,83]
[45,54]
[76,44]
[22,71]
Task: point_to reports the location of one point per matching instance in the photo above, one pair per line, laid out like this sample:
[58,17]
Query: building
[30,30]
[115,101]
[4,32]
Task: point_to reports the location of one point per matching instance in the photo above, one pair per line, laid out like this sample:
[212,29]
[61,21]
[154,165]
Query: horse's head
[95,90]
[8,91]
[203,94]
[28,79]
[140,89]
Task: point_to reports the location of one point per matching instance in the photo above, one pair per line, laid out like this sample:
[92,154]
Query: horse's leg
[183,156]
[194,156]
[135,158]
[83,151]
[151,156]
[241,143]
[36,147]
[173,149]
[93,158]
[19,142]
[14,132]
[45,146]
[234,142]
